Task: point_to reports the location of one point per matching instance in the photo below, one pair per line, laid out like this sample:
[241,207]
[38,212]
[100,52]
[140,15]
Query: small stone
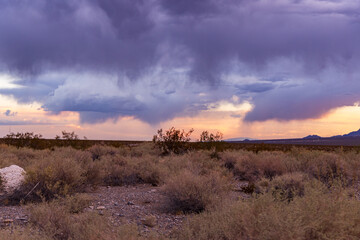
[130,203]
[100,208]
[149,221]
[91,207]
[9,220]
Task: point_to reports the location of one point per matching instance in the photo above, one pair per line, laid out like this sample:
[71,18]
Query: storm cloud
[10,113]
[151,59]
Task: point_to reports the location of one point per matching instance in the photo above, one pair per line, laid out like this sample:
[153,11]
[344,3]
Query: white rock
[12,177]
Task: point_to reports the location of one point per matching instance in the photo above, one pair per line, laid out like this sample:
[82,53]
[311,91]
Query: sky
[119,69]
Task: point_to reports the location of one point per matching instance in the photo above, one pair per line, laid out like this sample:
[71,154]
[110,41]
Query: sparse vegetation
[70,136]
[319,214]
[173,140]
[206,137]
[189,192]
[27,139]
[59,221]
[229,194]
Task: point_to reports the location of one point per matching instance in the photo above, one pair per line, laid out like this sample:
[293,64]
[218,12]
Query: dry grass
[320,214]
[67,219]
[189,192]
[299,194]
[22,234]
[326,167]
[284,187]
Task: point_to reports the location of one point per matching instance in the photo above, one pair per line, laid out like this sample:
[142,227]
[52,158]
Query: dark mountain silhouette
[353,134]
[312,137]
[240,139]
[349,139]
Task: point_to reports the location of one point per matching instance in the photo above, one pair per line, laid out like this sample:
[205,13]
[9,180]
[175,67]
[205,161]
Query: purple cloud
[10,113]
[288,47]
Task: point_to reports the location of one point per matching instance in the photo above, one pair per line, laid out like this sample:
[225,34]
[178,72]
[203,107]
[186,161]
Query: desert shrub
[97,151]
[198,162]
[120,170]
[319,214]
[75,203]
[70,136]
[285,187]
[151,172]
[27,139]
[330,168]
[173,141]
[56,176]
[189,192]
[205,136]
[146,148]
[22,234]
[7,158]
[244,165]
[229,159]
[59,222]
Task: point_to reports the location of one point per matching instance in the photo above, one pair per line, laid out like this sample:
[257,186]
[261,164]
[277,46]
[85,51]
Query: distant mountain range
[239,139]
[312,137]
[351,134]
[309,137]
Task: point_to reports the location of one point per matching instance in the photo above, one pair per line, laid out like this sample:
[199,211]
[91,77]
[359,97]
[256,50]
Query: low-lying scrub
[319,214]
[189,192]
[283,188]
[23,234]
[298,194]
[326,167]
[67,219]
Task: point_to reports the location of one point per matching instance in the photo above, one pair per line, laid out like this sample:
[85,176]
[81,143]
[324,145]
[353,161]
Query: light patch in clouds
[225,106]
[7,82]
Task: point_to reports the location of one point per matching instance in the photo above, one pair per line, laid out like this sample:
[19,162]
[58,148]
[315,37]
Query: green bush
[173,141]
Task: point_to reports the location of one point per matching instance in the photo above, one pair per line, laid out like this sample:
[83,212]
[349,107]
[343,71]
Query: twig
[32,190]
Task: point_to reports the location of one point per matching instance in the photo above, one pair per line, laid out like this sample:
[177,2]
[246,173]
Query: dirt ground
[142,204]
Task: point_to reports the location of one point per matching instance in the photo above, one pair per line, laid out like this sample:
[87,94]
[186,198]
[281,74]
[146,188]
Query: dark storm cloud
[10,113]
[256,87]
[76,35]
[311,100]
[191,8]
[203,40]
